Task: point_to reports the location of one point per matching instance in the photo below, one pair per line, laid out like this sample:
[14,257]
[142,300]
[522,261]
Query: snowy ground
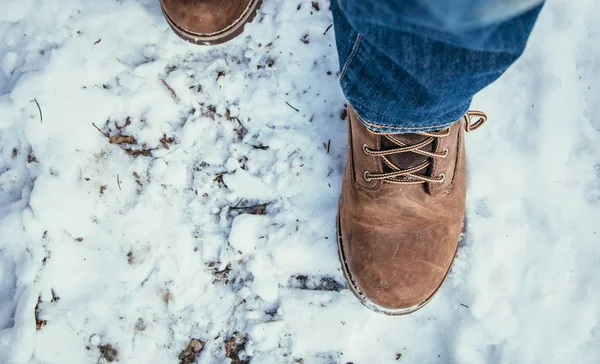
[204,206]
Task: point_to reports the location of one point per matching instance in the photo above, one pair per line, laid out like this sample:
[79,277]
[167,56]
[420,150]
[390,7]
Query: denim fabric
[405,68]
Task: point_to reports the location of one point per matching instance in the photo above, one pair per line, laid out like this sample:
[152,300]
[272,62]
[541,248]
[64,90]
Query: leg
[409,78]
[403,70]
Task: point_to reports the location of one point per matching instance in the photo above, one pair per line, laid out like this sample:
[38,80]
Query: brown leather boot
[209,21]
[401,213]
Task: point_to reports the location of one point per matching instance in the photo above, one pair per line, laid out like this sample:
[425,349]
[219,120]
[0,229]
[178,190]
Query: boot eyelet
[446,152]
[366,149]
[367,176]
[442,177]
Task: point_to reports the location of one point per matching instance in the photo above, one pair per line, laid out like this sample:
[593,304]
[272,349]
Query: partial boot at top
[209,21]
[401,213]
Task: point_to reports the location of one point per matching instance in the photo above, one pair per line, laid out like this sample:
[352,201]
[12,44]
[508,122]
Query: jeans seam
[353,54]
[373,125]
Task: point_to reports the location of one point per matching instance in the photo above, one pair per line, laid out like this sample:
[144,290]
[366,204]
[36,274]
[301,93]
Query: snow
[218,223]
[246,232]
[243,184]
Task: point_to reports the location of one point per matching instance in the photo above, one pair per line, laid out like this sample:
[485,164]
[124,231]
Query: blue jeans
[414,65]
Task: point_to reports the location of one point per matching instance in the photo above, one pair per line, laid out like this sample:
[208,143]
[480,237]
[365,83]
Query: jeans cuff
[381,125]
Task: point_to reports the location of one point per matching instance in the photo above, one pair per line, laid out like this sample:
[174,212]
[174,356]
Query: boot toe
[406,289]
[397,272]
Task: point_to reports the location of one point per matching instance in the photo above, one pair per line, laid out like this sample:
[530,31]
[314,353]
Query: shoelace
[409,176]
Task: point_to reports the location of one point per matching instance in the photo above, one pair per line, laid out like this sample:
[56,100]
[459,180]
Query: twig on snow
[173,94]
[260,146]
[119,183]
[259,209]
[288,104]
[101,132]
[39,109]
[326,30]
[236,205]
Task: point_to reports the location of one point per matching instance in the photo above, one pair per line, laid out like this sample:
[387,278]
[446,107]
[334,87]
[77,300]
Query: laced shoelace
[409,176]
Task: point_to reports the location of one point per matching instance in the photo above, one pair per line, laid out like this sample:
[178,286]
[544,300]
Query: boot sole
[220,37]
[363,298]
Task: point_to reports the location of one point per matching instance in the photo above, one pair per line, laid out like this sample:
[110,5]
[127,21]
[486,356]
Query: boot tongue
[407,159]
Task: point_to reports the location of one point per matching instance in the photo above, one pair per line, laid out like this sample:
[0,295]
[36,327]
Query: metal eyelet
[446,152]
[367,175]
[365,149]
[443,177]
